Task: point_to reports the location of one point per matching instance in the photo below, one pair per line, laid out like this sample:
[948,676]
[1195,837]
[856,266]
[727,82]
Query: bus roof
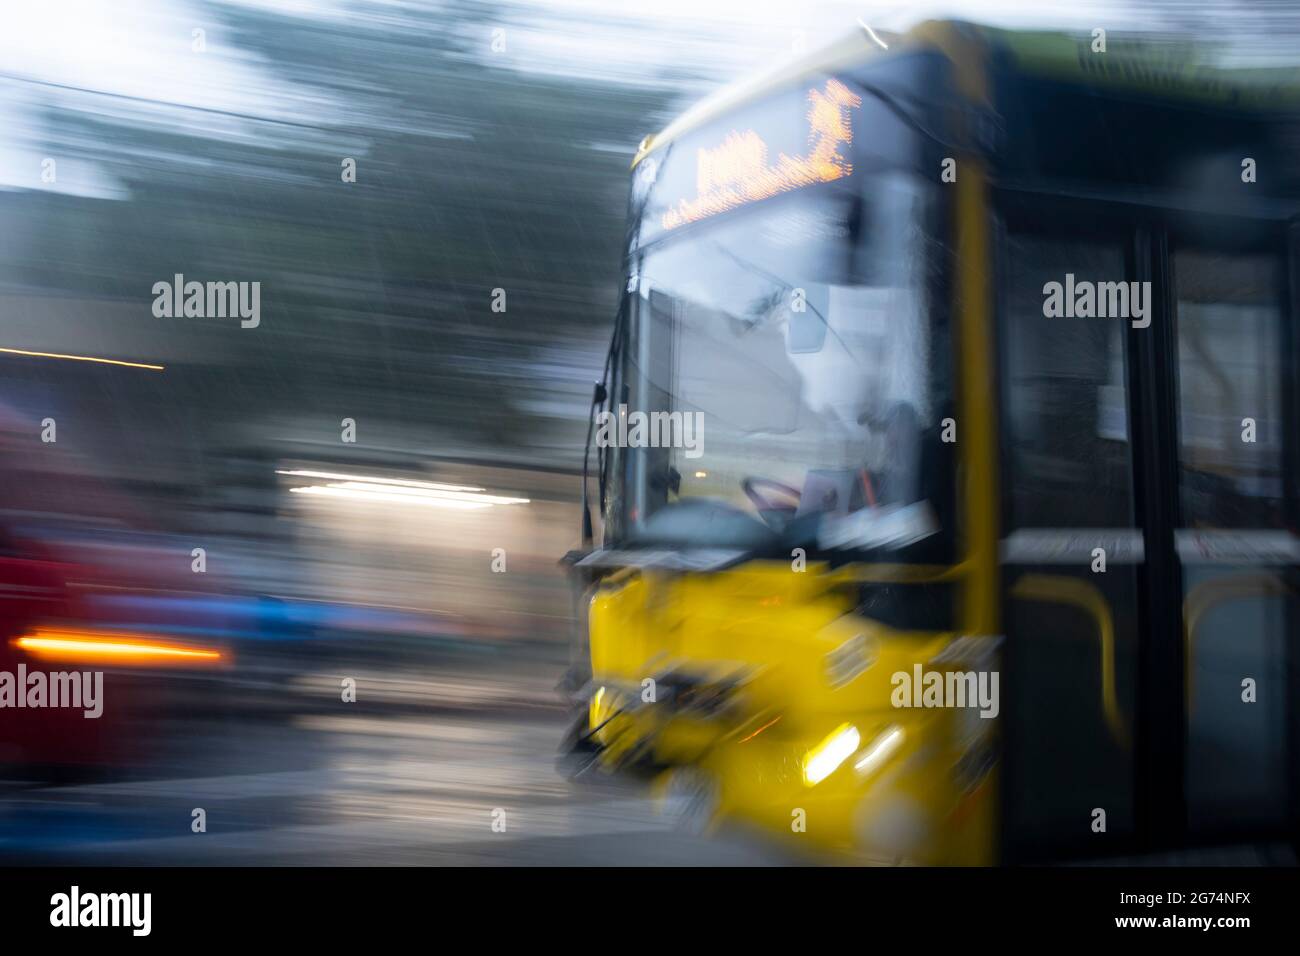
[1134,64]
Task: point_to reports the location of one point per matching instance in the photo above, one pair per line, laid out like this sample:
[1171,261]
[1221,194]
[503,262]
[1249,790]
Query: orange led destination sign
[738,172]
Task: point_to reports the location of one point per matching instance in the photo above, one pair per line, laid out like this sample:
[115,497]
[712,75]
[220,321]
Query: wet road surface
[365,786]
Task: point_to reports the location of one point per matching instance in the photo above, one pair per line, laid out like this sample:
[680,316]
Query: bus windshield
[799,339]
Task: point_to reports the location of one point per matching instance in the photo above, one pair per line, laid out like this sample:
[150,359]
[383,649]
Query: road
[413,778]
[345,785]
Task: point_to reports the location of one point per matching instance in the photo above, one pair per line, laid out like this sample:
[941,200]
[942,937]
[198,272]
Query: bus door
[1149,516]
[1234,361]
[1072,546]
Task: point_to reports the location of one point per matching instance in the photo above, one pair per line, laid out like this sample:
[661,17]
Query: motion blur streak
[83,358]
[123,648]
[431,496]
[374,496]
[370,479]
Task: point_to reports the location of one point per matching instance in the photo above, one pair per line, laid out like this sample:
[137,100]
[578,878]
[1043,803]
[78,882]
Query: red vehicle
[78,689]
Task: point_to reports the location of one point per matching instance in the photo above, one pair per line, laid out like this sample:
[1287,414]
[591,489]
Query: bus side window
[1229,390]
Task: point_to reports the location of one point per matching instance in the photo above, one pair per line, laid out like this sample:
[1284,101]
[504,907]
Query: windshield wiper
[599,395]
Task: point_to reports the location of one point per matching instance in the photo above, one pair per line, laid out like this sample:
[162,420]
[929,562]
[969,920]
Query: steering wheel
[751,487]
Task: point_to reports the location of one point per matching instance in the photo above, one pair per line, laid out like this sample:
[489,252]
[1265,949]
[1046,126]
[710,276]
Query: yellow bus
[945,458]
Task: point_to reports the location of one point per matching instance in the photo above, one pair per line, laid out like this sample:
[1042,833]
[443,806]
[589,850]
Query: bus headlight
[820,762]
[879,750]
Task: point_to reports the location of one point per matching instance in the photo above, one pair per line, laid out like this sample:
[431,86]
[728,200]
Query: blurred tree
[376,295]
